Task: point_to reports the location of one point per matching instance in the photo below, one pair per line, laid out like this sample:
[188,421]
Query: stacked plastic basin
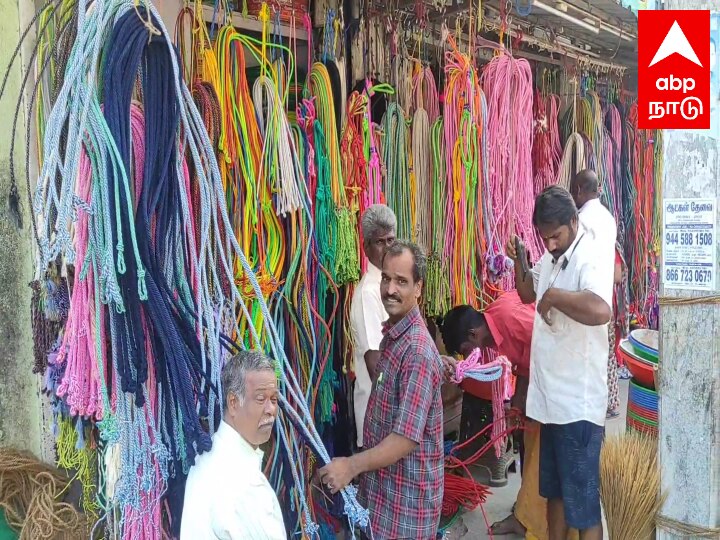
[640,354]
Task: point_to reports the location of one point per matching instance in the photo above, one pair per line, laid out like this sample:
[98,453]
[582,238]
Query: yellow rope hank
[83,460]
[30,496]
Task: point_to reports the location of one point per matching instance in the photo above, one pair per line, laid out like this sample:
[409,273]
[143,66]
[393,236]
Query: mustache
[267,423]
[391,297]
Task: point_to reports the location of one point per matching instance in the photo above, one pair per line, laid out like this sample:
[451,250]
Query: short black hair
[554,205]
[419,259]
[457,324]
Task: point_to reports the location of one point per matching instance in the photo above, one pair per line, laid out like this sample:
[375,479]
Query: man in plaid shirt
[401,472]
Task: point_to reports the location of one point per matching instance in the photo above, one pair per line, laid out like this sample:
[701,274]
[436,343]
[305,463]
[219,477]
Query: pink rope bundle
[507,83]
[373,194]
[501,389]
[80,384]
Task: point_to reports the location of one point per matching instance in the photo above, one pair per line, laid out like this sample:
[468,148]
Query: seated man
[227,495]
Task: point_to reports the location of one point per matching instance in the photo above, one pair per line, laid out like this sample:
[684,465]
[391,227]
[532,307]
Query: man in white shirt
[567,393]
[367,313]
[601,224]
[593,215]
[227,496]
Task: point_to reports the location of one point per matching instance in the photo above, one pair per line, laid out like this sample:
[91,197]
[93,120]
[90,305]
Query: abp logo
[674,69]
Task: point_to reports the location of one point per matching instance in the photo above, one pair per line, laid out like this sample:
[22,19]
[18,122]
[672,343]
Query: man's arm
[391,449]
[524,283]
[337,474]
[370,335]
[420,379]
[371,361]
[585,307]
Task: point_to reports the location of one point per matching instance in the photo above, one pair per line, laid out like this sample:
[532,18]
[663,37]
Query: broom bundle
[31,498]
[630,486]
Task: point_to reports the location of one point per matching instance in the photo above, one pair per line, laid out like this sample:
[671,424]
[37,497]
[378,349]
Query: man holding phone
[567,391]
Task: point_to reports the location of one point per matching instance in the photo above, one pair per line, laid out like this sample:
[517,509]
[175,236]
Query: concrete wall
[689,442]
[20,404]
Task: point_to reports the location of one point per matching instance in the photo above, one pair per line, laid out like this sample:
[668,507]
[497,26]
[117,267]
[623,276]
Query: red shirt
[405,499]
[511,325]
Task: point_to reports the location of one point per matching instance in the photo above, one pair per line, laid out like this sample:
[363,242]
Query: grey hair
[378,218]
[419,257]
[232,377]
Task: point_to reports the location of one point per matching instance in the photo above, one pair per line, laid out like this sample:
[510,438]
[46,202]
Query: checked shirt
[405,498]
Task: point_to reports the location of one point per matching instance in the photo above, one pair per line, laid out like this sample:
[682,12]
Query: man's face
[478,338]
[254,416]
[375,248]
[399,291]
[558,238]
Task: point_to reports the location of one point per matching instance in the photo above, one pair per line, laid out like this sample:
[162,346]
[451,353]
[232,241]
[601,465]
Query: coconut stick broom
[630,486]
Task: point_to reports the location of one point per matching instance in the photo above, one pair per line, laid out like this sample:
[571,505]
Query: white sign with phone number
[689,244]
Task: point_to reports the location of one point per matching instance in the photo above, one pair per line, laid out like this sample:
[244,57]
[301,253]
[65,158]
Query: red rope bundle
[463,490]
[547,150]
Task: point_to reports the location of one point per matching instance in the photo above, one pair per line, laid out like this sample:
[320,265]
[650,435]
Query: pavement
[501,500]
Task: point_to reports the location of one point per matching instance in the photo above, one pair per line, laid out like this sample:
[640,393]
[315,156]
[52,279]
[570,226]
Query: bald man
[600,223]
[593,215]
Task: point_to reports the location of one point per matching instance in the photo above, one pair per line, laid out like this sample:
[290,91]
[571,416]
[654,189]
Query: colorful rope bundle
[497,371]
[153,259]
[465,126]
[248,234]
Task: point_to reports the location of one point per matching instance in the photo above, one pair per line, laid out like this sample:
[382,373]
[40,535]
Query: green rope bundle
[397,177]
[326,222]
[347,258]
[437,285]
